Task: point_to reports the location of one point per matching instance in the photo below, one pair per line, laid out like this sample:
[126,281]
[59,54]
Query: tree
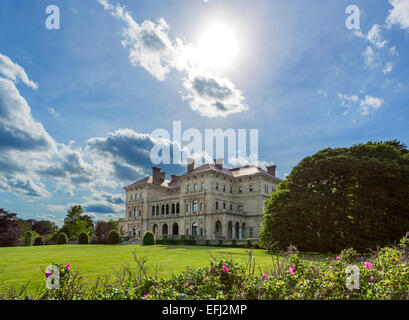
[102,231]
[339,198]
[113,225]
[11,229]
[113,237]
[75,222]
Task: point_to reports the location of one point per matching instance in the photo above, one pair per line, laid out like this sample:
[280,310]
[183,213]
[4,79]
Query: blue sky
[77,106]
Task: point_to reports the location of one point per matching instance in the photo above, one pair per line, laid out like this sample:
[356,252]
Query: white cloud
[388,68]
[365,106]
[54,113]
[14,72]
[151,48]
[394,51]
[373,36]
[371,57]
[370,104]
[399,15]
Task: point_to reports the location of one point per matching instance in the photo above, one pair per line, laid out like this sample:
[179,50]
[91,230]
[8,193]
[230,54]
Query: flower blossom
[47,273]
[292,270]
[368,265]
[265,276]
[68,266]
[338,258]
[226,268]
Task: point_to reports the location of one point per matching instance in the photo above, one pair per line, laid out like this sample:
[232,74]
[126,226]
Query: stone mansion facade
[209,202]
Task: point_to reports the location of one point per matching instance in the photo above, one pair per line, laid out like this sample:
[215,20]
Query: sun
[218,46]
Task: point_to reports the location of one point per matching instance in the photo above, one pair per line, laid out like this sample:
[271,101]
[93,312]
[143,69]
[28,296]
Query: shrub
[113,237]
[28,238]
[207,243]
[148,238]
[234,243]
[38,241]
[62,238]
[83,238]
[248,243]
[220,243]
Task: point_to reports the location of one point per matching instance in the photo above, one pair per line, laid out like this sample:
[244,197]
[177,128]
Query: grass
[18,265]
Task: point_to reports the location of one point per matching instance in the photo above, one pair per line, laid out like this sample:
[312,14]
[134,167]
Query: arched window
[217,186]
[134,231]
[153,210]
[177,208]
[231,189]
[173,208]
[201,206]
[136,196]
[195,187]
[240,189]
[194,229]
[217,205]
[155,229]
[194,206]
[163,209]
[188,188]
[167,209]
[251,188]
[157,210]
[202,186]
[187,208]
[135,212]
[224,188]
[130,197]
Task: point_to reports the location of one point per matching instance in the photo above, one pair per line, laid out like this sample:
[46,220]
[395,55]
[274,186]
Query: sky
[79,103]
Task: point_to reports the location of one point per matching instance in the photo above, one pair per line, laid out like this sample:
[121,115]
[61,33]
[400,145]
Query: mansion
[209,202]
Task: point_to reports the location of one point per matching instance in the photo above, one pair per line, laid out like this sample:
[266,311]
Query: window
[130,198]
[136,196]
[194,229]
[231,189]
[201,231]
[173,208]
[202,206]
[130,214]
[187,208]
[240,208]
[231,206]
[195,187]
[266,188]
[187,231]
[251,233]
[163,209]
[177,208]
[140,196]
[217,186]
[251,188]
[224,188]
[188,188]
[224,205]
[202,186]
[153,210]
[135,212]
[167,209]
[194,206]
[217,205]
[240,189]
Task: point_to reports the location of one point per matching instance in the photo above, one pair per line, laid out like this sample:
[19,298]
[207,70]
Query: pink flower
[309,269]
[187,284]
[338,258]
[47,273]
[265,276]
[226,268]
[330,267]
[68,266]
[212,271]
[256,295]
[292,270]
[368,265]
[146,295]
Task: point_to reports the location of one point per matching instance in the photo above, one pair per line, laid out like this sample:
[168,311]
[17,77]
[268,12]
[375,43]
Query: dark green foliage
[11,229]
[62,238]
[353,197]
[220,243]
[102,231]
[83,238]
[113,237]
[38,241]
[234,243]
[249,243]
[28,238]
[148,238]
[207,243]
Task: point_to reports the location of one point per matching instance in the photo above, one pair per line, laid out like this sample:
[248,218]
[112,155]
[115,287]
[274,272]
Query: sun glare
[218,46]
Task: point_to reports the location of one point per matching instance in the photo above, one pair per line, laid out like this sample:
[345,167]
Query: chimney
[218,163]
[272,170]
[157,175]
[190,165]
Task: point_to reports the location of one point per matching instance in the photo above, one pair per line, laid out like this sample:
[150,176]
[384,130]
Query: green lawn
[21,264]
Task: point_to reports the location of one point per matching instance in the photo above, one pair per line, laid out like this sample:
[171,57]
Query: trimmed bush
[234,243]
[83,238]
[220,244]
[148,238]
[113,237]
[38,241]
[62,238]
[249,243]
[207,243]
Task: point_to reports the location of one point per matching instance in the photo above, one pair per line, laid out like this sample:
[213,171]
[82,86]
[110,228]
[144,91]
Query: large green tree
[76,222]
[338,198]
